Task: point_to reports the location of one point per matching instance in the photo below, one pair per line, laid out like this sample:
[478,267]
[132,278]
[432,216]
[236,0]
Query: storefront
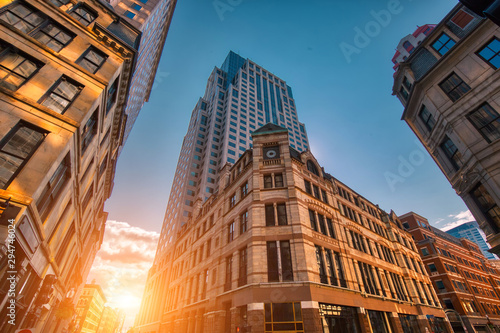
[337,318]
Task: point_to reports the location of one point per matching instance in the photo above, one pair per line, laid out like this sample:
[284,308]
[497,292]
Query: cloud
[121,266]
[460,218]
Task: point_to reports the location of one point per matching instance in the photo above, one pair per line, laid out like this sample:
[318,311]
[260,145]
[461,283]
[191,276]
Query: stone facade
[62,95]
[284,246]
[449,87]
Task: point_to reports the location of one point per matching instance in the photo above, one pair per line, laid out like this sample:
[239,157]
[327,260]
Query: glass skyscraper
[471,231]
[240,97]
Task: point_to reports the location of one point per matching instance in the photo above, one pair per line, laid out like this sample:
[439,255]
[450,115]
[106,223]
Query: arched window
[311,167]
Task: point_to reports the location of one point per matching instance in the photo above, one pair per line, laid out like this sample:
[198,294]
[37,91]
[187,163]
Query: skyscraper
[258,238]
[449,87]
[240,97]
[152,18]
[471,231]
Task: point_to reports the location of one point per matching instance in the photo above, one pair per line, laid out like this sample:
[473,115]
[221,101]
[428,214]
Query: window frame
[12,132]
[455,88]
[480,128]
[55,85]
[10,49]
[429,118]
[496,54]
[449,154]
[85,7]
[94,49]
[444,45]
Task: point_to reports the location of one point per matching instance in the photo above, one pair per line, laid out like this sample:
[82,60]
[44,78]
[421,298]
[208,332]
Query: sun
[125,301]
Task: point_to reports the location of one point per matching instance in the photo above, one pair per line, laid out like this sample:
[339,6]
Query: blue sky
[352,120]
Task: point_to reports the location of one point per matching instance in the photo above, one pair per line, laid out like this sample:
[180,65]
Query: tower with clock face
[271,152]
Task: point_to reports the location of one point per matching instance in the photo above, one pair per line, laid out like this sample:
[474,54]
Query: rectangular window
[16,148]
[88,197]
[281,250]
[321,265]
[454,87]
[487,205]
[92,59]
[83,14]
[270,221]
[89,131]
[61,94]
[324,196]
[230,232]
[242,279]
[487,121]
[330,227]
[322,226]
[268,181]
[54,188]
[281,212]
[451,151]
[229,273]
[278,180]
[243,222]
[112,94]
[232,201]
[307,186]
[443,44]
[491,53]
[427,118]
[316,191]
[16,67]
[244,190]
[312,219]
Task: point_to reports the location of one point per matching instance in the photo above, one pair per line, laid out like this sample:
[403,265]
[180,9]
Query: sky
[342,84]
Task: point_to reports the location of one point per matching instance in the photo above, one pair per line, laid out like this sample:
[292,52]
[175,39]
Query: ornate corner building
[284,246]
[67,69]
[449,85]
[467,284]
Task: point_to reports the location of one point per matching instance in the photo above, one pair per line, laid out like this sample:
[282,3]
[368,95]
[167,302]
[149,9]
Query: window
[312,220]
[281,212]
[230,232]
[61,94]
[316,191]
[244,190]
[243,222]
[59,3]
[112,94]
[278,180]
[268,181]
[270,221]
[487,205]
[432,268]
[229,271]
[443,44]
[16,67]
[425,252]
[283,317]
[89,131]
[242,279]
[138,8]
[487,121]
[88,197]
[54,188]
[491,53]
[311,167]
[36,24]
[462,19]
[440,285]
[307,186]
[16,148]
[454,87]
[232,201]
[279,270]
[451,151]
[324,196]
[408,47]
[92,59]
[83,14]
[427,118]
[321,265]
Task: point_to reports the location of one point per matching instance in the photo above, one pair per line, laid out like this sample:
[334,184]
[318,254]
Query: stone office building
[450,88]
[467,284]
[65,72]
[284,246]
